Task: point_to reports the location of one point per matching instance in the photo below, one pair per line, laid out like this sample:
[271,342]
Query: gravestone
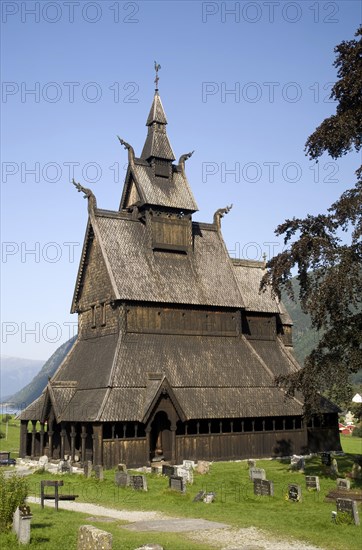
[209,498]
[64,467]
[186,474]
[334,467]
[138,482]
[21,524]
[348,506]
[90,537]
[343,484]
[263,488]
[297,463]
[200,496]
[256,473]
[188,464]
[168,470]
[312,482]
[43,460]
[98,470]
[203,467]
[121,479]
[294,492]
[177,483]
[156,470]
[88,467]
[356,471]
[76,458]
[326,459]
[251,463]
[122,468]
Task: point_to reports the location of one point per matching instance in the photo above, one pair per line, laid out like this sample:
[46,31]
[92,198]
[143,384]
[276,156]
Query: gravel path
[224,539]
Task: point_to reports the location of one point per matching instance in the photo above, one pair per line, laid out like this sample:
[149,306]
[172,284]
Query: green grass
[352,445]
[309,520]
[51,530]
[13,437]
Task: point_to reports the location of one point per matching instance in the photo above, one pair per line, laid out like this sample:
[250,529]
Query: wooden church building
[177,349]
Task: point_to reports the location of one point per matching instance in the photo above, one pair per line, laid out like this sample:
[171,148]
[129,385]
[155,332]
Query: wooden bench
[56,496]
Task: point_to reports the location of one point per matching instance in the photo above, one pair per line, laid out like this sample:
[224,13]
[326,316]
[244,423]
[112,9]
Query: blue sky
[242,83]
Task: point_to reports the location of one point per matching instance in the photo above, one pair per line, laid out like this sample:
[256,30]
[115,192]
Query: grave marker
[188,464]
[200,496]
[263,488]
[209,498]
[343,484]
[326,459]
[138,482]
[88,467]
[256,473]
[98,470]
[312,482]
[168,470]
[121,479]
[297,462]
[294,492]
[251,463]
[177,483]
[122,468]
[348,506]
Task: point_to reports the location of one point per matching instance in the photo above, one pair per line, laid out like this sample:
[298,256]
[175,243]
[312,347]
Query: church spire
[157,145]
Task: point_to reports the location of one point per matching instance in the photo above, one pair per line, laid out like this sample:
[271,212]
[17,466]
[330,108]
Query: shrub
[13,492]
[357,432]
[6,418]
[2,435]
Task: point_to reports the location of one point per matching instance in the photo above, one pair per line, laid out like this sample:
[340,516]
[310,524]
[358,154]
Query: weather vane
[157,68]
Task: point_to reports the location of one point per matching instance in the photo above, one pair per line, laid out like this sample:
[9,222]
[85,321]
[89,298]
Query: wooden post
[62,441]
[173,443]
[23,438]
[148,447]
[33,434]
[41,438]
[50,442]
[73,434]
[98,444]
[83,437]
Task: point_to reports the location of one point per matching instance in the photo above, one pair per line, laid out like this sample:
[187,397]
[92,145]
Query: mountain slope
[15,372]
[32,390]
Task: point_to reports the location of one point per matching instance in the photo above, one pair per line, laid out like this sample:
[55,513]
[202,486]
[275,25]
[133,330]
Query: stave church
[177,348]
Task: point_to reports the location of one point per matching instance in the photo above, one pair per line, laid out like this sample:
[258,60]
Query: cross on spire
[157,68]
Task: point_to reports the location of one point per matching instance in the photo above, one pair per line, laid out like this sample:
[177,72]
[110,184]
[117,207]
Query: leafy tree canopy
[326,250]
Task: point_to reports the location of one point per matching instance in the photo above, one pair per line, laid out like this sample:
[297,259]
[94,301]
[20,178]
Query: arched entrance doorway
[161,437]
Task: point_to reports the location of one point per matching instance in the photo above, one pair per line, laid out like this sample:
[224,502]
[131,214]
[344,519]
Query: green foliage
[344,518]
[329,267]
[2,435]
[11,443]
[6,418]
[357,432]
[13,492]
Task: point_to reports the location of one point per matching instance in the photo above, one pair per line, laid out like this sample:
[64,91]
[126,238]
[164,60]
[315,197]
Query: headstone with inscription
[294,492]
[186,474]
[138,482]
[121,479]
[312,482]
[251,463]
[348,506]
[65,467]
[177,483]
[256,473]
[188,464]
[343,484]
[263,488]
[168,470]
[98,471]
